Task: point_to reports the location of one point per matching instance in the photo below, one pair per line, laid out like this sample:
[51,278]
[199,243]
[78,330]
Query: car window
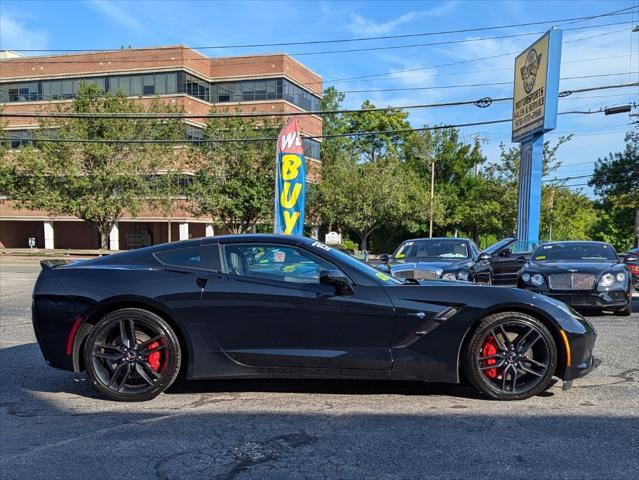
[201,257]
[274,262]
[523,247]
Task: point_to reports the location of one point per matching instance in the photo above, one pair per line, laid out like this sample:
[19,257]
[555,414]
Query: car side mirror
[631,259]
[336,278]
[506,252]
[384,258]
[484,257]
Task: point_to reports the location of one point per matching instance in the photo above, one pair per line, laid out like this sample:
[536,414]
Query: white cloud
[16,34]
[365,26]
[118,14]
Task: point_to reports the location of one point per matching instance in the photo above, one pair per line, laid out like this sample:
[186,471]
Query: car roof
[577,242]
[260,237]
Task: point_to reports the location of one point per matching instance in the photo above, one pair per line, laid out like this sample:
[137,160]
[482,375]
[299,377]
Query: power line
[272,139]
[42,60]
[482,103]
[623,11]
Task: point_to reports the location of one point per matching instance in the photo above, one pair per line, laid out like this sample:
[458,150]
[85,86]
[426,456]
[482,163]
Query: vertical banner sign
[290,181]
[535,99]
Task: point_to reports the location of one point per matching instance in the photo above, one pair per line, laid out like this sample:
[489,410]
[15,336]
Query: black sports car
[586,275]
[437,258]
[279,306]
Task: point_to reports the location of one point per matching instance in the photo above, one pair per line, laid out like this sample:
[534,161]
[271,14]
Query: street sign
[536,87]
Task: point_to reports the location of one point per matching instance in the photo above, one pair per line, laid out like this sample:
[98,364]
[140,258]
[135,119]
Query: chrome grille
[571,281]
[417,274]
[425,275]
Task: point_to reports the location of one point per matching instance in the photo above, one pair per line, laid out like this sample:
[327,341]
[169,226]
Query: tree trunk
[104,239]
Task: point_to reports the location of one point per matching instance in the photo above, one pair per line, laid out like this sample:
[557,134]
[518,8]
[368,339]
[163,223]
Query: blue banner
[290,182]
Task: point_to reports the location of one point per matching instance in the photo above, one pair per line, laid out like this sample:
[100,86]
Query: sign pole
[530,172]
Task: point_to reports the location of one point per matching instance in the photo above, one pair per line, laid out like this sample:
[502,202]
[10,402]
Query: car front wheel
[510,356]
[132,355]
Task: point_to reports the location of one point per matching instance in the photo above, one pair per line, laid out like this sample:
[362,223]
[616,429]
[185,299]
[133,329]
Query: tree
[235,181]
[616,182]
[96,182]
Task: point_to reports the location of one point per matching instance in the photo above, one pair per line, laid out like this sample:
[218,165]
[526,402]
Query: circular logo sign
[529,70]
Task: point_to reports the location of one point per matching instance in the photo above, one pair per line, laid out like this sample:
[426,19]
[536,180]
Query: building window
[162,84]
[311,148]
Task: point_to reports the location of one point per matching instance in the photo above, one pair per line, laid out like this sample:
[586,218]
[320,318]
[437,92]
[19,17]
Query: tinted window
[200,257]
[274,262]
[565,252]
[432,248]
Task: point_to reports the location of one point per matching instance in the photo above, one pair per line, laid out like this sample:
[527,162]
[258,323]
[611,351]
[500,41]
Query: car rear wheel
[132,355]
[510,356]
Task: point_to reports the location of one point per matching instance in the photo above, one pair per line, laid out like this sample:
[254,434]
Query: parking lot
[54,425]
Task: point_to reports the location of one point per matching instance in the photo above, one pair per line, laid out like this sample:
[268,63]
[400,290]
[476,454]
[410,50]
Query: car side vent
[428,326]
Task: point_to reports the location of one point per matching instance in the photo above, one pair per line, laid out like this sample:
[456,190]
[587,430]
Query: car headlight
[525,277]
[607,280]
[537,279]
[621,277]
[449,276]
[462,275]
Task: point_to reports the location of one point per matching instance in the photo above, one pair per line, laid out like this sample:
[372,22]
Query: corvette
[262,306]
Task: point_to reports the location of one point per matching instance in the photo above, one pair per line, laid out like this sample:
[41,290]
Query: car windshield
[567,252]
[433,248]
[358,265]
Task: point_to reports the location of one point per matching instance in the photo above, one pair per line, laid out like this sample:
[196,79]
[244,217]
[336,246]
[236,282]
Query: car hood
[571,267]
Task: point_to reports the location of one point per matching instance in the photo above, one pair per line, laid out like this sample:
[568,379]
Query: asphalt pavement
[54,425]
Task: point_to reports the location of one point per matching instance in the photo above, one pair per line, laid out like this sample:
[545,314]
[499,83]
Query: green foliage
[616,182]
[97,182]
[235,181]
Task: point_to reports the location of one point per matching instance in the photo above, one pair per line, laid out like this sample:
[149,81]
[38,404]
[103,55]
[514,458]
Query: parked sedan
[437,258]
[230,307]
[587,275]
[506,258]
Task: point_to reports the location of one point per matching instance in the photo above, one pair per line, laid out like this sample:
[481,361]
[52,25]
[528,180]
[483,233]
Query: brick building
[261,83]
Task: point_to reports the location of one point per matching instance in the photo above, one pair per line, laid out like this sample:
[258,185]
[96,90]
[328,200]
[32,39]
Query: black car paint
[615,297]
[382,331]
[504,263]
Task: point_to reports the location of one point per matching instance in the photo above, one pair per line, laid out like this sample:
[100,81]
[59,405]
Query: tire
[132,371]
[530,341]
[625,311]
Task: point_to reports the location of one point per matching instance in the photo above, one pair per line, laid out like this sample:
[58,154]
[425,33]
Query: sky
[592,47]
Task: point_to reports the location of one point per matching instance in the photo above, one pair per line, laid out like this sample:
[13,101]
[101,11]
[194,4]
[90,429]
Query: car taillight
[634,269]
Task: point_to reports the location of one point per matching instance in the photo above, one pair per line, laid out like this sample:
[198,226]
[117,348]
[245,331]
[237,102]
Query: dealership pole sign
[290,181]
[535,98]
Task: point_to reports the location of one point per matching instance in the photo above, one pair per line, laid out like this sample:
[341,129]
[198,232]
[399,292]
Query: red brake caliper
[154,358]
[489,348]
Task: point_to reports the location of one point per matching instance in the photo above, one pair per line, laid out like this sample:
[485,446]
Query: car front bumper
[614,299]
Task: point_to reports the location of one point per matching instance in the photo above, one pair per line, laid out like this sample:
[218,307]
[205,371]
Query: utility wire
[43,60]
[623,11]
[482,103]
[272,139]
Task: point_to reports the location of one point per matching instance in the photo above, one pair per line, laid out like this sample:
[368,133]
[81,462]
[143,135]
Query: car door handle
[201,281]
[521,260]
[420,315]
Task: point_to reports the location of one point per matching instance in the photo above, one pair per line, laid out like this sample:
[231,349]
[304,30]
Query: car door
[268,309]
[508,261]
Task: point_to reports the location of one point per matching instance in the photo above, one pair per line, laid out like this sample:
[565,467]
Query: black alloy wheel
[510,356]
[132,355]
